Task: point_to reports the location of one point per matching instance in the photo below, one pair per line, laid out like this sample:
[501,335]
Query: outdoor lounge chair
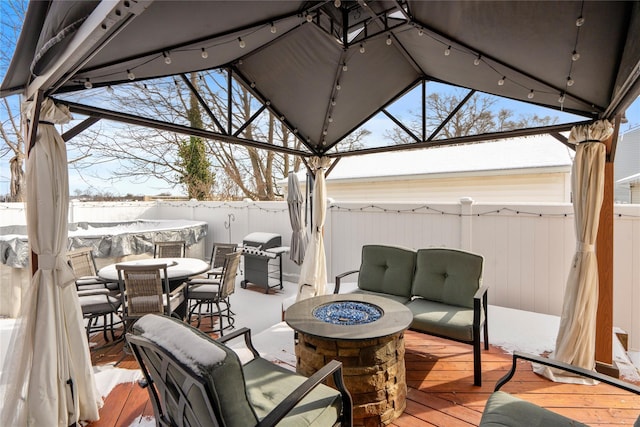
[503,409]
[194,380]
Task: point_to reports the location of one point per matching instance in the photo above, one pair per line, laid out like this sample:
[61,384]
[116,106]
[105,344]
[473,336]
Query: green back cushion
[387,269]
[447,275]
[218,365]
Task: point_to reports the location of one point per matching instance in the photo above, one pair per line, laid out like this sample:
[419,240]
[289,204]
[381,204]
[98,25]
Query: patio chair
[194,380]
[175,249]
[83,264]
[145,290]
[215,291]
[218,257]
[98,304]
[503,409]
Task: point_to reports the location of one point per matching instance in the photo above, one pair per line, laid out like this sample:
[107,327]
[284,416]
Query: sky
[378,125]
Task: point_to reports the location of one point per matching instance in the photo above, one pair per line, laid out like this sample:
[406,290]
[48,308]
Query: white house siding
[532,186]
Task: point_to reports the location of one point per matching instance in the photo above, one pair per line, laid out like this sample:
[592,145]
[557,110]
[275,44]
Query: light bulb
[241,43]
[273,29]
[447,51]
[338,87]
[580,21]
[330,119]
[130,75]
[561,99]
[570,81]
[501,81]
[333,102]
[362,49]
[253,84]
[109,89]
[575,56]
[324,132]
[309,17]
[389,41]
[204,54]
[88,84]
[420,32]
[167,58]
[477,60]
[531,94]
[337,3]
[344,67]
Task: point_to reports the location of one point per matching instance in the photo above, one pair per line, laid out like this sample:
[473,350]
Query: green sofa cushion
[442,319]
[387,269]
[269,384]
[448,276]
[398,298]
[502,409]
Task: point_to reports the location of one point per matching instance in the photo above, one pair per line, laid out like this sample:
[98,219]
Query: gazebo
[324,68]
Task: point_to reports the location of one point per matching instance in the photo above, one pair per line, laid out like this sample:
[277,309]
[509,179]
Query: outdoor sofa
[504,410]
[441,286]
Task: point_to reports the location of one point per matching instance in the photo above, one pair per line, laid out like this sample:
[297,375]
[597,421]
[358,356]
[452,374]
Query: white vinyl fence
[527,248]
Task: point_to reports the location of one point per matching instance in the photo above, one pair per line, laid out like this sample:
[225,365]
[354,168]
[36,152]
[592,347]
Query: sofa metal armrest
[332,368]
[339,277]
[246,333]
[565,367]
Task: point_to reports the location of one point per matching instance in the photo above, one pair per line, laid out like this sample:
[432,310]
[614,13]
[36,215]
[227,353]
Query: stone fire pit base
[373,371]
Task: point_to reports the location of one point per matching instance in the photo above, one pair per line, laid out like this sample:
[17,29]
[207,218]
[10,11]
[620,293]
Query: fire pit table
[365,333]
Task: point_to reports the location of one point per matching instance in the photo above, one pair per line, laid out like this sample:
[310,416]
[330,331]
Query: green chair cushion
[442,319]
[398,298]
[268,385]
[387,269]
[502,409]
[450,276]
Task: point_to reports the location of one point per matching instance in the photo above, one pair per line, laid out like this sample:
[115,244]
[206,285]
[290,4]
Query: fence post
[466,228]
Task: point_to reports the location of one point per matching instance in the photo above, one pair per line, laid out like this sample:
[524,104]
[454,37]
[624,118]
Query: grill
[263,260]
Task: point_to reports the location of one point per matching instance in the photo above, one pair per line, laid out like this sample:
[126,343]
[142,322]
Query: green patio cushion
[268,385]
[442,319]
[387,269]
[502,409]
[398,298]
[447,275]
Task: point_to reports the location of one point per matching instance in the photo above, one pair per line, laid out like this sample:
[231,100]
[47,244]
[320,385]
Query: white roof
[540,151]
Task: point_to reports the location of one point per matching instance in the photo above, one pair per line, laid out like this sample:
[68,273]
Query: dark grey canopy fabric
[326,67]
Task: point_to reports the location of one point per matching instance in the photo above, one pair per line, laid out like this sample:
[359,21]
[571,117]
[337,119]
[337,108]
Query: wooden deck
[441,391]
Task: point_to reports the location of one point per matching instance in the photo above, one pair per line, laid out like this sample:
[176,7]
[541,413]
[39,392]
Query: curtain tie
[47,261]
[585,247]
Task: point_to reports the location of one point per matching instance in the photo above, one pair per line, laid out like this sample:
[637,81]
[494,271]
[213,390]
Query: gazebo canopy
[324,68]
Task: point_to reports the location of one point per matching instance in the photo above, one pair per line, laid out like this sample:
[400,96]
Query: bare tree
[13,146]
[477,116]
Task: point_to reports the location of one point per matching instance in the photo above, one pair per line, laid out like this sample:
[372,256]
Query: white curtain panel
[49,378]
[299,238]
[313,273]
[575,343]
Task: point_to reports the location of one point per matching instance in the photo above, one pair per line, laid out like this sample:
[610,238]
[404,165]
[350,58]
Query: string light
[309,18]
[330,119]
[337,3]
[338,87]
[109,89]
[575,56]
[476,61]
[333,102]
[88,84]
[345,67]
[204,54]
[241,43]
[501,81]
[420,32]
[167,58]
[253,84]
[531,94]
[389,41]
[570,81]
[273,29]
[580,21]
[561,99]
[362,49]
[130,75]
[447,51]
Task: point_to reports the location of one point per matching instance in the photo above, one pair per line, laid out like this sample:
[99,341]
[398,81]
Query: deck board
[441,391]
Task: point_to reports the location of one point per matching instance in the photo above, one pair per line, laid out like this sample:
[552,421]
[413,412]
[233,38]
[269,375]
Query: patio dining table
[178,270]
